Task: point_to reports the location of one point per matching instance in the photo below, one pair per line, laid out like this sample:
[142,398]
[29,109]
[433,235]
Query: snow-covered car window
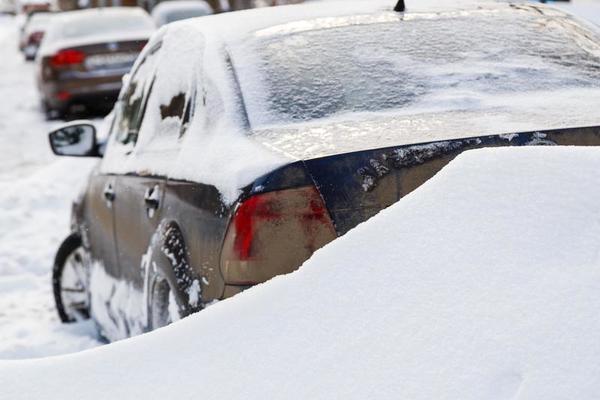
[374,67]
[131,106]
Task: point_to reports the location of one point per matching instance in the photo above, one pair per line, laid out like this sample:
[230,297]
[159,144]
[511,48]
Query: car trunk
[357,185]
[282,218]
[106,57]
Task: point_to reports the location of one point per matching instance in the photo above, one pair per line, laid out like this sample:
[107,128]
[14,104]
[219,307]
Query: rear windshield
[89,25]
[452,62]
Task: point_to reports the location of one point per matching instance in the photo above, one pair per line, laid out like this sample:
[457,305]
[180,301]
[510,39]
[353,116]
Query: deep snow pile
[34,220]
[36,190]
[482,284]
[21,123]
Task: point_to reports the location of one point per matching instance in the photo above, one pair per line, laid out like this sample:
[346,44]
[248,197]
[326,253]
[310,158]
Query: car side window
[181,109]
[171,105]
[131,106]
[158,107]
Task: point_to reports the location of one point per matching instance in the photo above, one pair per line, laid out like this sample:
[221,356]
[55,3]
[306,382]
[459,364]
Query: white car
[8,7]
[171,11]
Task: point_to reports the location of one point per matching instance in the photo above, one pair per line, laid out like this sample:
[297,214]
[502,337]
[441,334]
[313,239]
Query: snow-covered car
[484,283]
[8,7]
[234,154]
[86,53]
[176,10]
[33,33]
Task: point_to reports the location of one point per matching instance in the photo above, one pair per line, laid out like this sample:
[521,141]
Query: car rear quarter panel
[203,219]
[356,186]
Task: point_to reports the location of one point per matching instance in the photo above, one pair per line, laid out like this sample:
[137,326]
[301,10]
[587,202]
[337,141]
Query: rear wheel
[70,281]
[52,114]
[162,307]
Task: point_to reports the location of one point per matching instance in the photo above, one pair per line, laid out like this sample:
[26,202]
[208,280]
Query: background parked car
[23,21]
[31,6]
[234,154]
[8,7]
[33,33]
[171,11]
[85,55]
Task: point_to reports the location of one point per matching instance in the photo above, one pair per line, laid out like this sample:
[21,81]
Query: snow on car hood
[482,284]
[437,119]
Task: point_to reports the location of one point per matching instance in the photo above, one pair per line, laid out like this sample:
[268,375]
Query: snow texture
[482,284]
[35,193]
[36,190]
[118,307]
[175,10]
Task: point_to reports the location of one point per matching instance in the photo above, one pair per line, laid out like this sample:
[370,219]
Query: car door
[98,220]
[138,195]
[176,96]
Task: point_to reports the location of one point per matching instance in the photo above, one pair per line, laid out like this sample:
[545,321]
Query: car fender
[167,257]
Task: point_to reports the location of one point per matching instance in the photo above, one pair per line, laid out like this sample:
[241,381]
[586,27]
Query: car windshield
[294,74]
[92,24]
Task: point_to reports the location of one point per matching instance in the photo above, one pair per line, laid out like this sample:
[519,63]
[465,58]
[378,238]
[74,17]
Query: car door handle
[109,193]
[152,198]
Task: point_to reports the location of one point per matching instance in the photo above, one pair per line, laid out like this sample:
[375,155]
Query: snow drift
[482,284]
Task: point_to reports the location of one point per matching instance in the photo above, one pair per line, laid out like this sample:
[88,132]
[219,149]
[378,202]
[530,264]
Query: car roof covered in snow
[439,71]
[555,102]
[173,10]
[231,26]
[96,25]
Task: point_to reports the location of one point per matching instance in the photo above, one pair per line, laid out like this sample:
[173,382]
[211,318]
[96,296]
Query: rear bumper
[100,91]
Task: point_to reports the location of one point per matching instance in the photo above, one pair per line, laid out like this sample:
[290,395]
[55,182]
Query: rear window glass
[453,62]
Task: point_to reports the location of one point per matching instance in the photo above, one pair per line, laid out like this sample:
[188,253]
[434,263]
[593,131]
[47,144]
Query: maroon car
[85,55]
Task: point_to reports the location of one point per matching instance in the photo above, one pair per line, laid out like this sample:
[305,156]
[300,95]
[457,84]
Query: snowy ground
[508,311]
[35,194]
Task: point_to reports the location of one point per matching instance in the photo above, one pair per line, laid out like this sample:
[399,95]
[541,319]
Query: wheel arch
[167,258]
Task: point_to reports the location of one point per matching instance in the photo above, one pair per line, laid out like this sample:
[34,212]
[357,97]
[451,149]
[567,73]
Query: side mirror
[77,139]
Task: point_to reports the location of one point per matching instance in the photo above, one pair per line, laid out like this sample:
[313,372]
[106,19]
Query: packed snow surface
[482,284]
[36,190]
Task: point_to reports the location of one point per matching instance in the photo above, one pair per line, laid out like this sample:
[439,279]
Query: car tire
[70,281]
[162,307]
[50,113]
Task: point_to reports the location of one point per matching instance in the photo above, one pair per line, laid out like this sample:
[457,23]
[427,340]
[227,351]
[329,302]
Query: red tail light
[248,218]
[67,57]
[273,233]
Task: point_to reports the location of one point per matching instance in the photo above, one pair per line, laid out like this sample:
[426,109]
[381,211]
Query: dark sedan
[234,154]
[85,55]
